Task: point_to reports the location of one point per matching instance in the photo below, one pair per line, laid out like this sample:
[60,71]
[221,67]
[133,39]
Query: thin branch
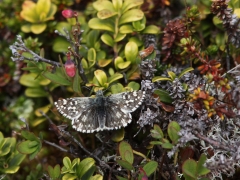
[56,146]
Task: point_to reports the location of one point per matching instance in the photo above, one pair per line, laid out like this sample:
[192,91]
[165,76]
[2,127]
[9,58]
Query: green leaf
[139,25]
[43,7]
[106,13]
[29,135]
[26,28]
[76,83]
[85,165]
[96,177]
[201,169]
[101,24]
[131,15]
[123,65]
[104,62]
[101,77]
[150,167]
[57,77]
[172,75]
[189,168]
[117,4]
[161,78]
[17,159]
[167,145]
[118,135]
[117,88]
[119,37]
[173,129]
[131,51]
[130,4]
[163,96]
[103,4]
[133,85]
[185,71]
[69,177]
[67,162]
[107,39]
[30,80]
[60,44]
[92,38]
[115,77]
[91,56]
[151,29]
[125,164]
[36,92]
[126,29]
[156,142]
[38,28]
[126,152]
[158,129]
[11,170]
[23,147]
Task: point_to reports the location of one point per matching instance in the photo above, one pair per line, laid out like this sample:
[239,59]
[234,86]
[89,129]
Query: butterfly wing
[88,115]
[119,107]
[78,110]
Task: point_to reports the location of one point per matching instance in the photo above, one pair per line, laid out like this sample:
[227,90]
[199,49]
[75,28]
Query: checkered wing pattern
[100,113]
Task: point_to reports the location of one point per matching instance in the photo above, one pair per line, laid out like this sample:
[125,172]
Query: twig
[215,143]
[56,146]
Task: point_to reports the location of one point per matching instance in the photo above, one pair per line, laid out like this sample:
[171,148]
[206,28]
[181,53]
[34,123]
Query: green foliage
[76,169]
[127,160]
[31,146]
[157,133]
[194,170]
[37,14]
[10,157]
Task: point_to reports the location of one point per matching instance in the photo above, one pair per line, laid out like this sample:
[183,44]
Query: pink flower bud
[144,177]
[70,68]
[68,13]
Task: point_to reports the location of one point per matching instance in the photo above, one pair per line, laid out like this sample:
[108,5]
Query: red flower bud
[70,68]
[68,13]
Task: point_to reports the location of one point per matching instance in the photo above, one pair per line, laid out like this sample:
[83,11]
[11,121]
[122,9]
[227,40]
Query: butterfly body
[100,113]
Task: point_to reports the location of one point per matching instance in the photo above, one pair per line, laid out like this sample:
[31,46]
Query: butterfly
[100,113]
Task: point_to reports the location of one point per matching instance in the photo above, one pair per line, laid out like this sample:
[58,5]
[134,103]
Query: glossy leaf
[185,71]
[151,29]
[107,39]
[36,92]
[115,77]
[173,129]
[85,165]
[25,147]
[126,29]
[131,15]
[77,83]
[101,77]
[101,24]
[161,78]
[117,4]
[201,169]
[126,152]
[131,51]
[190,168]
[104,62]
[57,77]
[130,4]
[150,167]
[106,13]
[163,96]
[118,135]
[125,164]
[103,4]
[119,37]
